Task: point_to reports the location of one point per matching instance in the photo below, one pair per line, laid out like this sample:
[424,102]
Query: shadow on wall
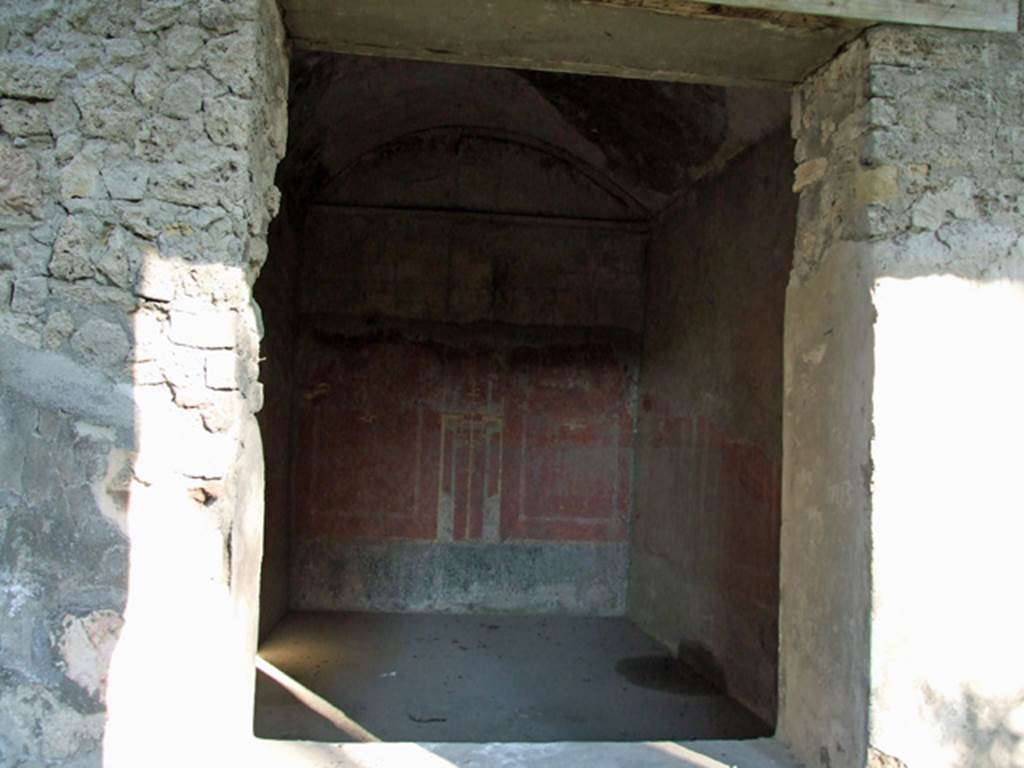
[982,730]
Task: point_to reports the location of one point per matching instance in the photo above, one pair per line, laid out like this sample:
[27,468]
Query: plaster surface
[704,550]
[901,345]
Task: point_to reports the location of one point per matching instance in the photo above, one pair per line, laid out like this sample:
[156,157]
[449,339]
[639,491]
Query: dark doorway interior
[523,391]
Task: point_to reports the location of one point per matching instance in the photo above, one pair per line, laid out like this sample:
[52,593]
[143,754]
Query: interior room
[522,424]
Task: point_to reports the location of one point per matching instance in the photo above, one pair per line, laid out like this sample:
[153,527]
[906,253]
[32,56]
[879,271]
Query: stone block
[877,185]
[157,279]
[126,180]
[227,120]
[71,251]
[181,46]
[156,15]
[121,51]
[108,109]
[221,411]
[221,370]
[183,98]
[81,177]
[116,260]
[148,86]
[808,173]
[22,77]
[30,295]
[232,60]
[958,199]
[209,329]
[226,15]
[58,329]
[206,455]
[101,343]
[182,184]
[19,190]
[23,118]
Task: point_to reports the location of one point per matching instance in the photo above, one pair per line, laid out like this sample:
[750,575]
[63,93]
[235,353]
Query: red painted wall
[424,440]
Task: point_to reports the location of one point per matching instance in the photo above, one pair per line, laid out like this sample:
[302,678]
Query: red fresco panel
[401,439]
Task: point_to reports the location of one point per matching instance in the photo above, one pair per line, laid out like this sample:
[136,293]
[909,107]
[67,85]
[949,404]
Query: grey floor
[442,678]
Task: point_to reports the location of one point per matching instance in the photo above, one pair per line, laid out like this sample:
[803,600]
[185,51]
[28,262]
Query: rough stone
[18,172]
[71,250]
[185,184]
[809,173]
[221,412]
[226,121]
[229,58]
[929,212]
[221,370]
[159,14]
[81,177]
[125,180]
[203,329]
[120,51]
[877,185]
[58,329]
[101,342]
[108,109]
[117,259]
[157,279]
[148,87]
[23,118]
[63,116]
[27,78]
[30,295]
[68,145]
[181,46]
[225,16]
[183,98]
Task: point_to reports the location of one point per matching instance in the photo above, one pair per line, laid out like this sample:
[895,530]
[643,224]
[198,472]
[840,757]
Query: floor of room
[346,677]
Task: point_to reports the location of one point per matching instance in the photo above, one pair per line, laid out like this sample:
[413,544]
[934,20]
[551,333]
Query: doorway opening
[523,374]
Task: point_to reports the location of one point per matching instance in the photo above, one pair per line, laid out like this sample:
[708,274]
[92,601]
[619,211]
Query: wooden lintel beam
[615,38]
[992,15]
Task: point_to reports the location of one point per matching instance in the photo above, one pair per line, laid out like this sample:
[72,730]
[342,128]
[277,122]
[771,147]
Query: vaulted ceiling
[387,132]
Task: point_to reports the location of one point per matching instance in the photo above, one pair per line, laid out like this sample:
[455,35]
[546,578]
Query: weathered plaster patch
[112,491]
[816,354]
[86,645]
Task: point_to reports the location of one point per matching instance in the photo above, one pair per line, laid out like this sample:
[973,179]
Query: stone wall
[704,554]
[904,372]
[137,153]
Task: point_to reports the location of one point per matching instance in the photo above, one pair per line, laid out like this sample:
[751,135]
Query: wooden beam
[992,15]
[618,38]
